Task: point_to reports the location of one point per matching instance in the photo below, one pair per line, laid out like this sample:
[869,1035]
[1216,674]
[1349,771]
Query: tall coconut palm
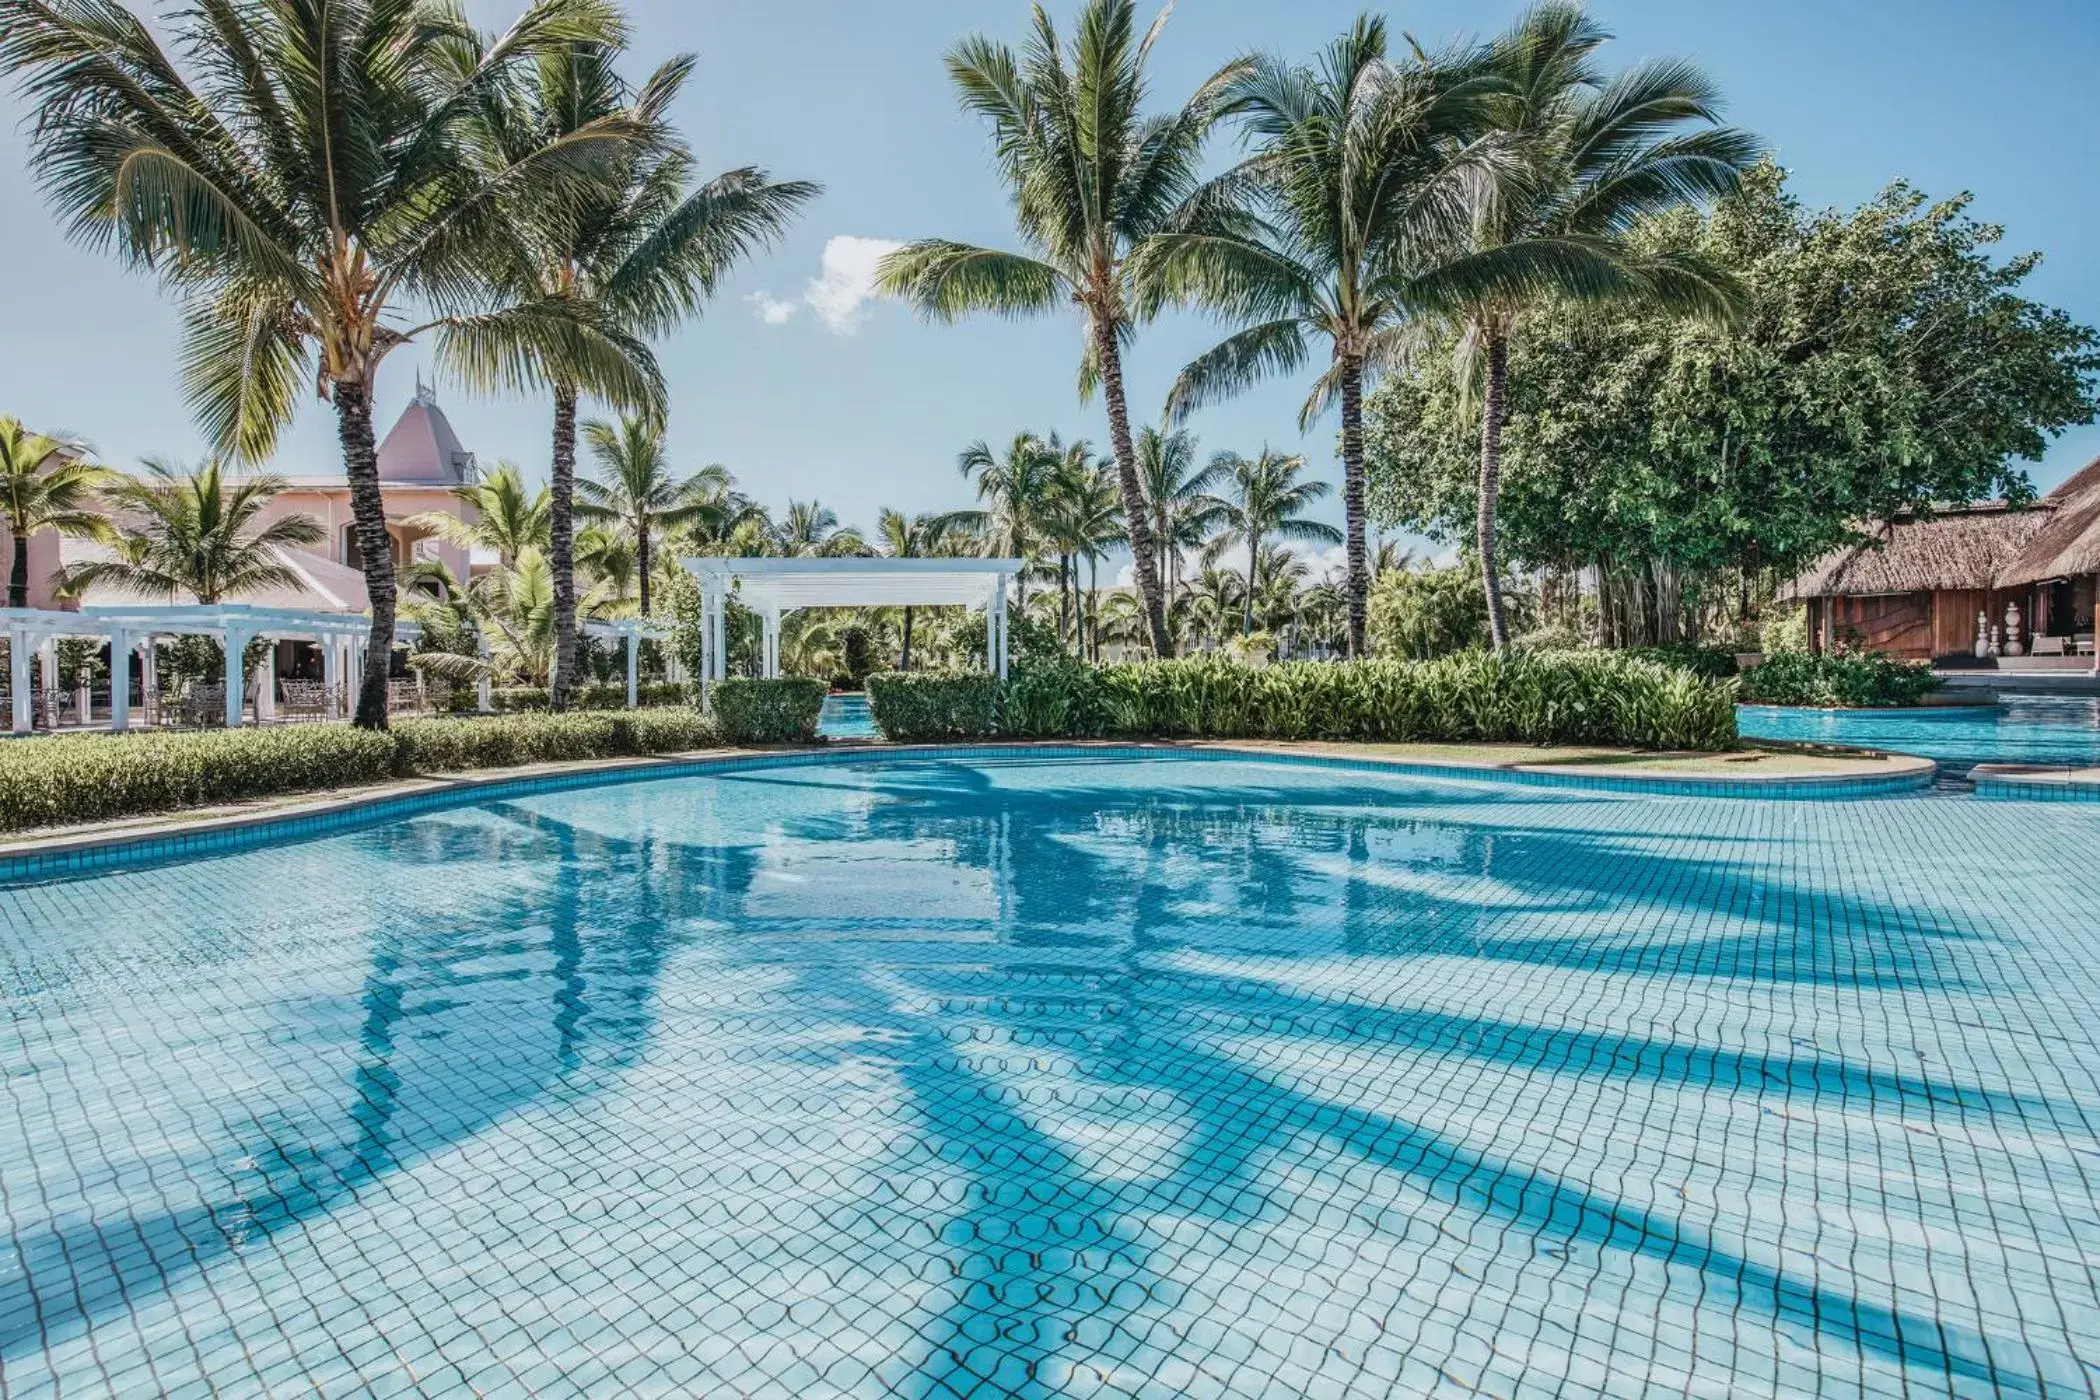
[1585,159]
[46,483]
[197,532]
[1263,498]
[508,518]
[811,529]
[299,175]
[1015,488]
[641,253]
[1061,519]
[921,536]
[1351,180]
[638,491]
[1091,177]
[1089,521]
[1177,493]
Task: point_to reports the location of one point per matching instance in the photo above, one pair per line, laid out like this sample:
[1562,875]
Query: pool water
[1031,1077]
[847,716]
[2020,729]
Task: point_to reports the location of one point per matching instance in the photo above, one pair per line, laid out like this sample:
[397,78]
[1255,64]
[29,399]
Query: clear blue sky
[1994,96]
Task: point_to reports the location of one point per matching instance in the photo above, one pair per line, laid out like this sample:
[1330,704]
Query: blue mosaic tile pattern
[1039,1077]
[2019,729]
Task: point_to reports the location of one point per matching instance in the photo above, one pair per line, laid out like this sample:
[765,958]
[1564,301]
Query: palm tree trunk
[561,545]
[1093,605]
[1144,557]
[18,571]
[1491,484]
[904,662]
[641,559]
[1247,604]
[1359,586]
[1064,609]
[353,423]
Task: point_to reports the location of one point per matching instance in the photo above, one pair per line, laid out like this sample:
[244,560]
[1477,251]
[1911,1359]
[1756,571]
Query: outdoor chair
[2081,644]
[306,701]
[2048,646]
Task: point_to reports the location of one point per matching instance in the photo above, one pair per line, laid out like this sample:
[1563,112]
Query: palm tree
[1587,159]
[196,532]
[507,520]
[1062,527]
[46,483]
[296,174]
[1215,596]
[1177,494]
[607,556]
[638,254]
[1313,236]
[1091,177]
[1090,519]
[639,491]
[915,537]
[1263,500]
[1016,490]
[811,528]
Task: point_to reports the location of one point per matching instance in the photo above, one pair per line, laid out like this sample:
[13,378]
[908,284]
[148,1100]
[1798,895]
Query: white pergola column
[149,672]
[484,697]
[999,612]
[18,679]
[120,643]
[634,669]
[771,650]
[266,686]
[332,673]
[47,665]
[235,643]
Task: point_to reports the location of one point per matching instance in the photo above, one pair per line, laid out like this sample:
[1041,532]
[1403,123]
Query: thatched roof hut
[1959,547]
[2069,544]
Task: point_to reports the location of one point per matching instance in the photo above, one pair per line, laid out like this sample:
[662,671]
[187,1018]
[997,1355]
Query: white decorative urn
[1983,633]
[2012,631]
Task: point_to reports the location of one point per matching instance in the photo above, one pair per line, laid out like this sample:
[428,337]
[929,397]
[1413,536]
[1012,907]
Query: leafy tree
[639,492]
[633,256]
[1091,177]
[46,483]
[1015,488]
[811,529]
[915,537]
[1579,160]
[1426,613]
[1358,171]
[196,532]
[508,518]
[299,175]
[1178,496]
[1263,498]
[1886,359]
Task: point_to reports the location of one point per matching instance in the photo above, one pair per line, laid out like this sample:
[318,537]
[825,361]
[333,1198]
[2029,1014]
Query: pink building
[420,462]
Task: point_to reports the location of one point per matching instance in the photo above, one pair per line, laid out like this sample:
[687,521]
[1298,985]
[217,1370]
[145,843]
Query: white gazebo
[632,630]
[341,636]
[773,588]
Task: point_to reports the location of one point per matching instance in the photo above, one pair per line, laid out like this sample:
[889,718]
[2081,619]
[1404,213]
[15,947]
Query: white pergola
[128,629]
[633,629]
[772,588]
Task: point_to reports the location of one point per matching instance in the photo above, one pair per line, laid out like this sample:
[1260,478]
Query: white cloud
[846,280]
[771,309]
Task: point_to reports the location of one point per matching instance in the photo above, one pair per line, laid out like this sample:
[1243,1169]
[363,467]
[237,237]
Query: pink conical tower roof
[421,449]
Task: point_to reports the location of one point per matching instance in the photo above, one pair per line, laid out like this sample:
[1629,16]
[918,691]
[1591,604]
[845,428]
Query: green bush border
[1824,681]
[782,710]
[931,707]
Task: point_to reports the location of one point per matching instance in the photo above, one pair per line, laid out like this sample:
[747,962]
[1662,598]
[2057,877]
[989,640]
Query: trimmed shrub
[529,699]
[1713,662]
[918,707]
[71,779]
[781,711]
[1530,698]
[1830,682]
[504,741]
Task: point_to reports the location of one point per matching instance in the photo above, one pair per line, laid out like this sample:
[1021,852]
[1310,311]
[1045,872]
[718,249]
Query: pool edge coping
[179,838]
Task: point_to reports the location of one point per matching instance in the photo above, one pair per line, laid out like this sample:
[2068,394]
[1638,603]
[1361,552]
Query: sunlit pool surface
[1049,1078]
[2021,729]
[847,717]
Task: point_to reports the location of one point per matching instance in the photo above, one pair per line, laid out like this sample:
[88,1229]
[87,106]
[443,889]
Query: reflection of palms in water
[431,1065]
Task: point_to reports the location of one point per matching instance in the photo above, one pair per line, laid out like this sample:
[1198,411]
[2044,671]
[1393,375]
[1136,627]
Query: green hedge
[1872,678]
[919,707]
[1533,698]
[534,699]
[76,778]
[782,711]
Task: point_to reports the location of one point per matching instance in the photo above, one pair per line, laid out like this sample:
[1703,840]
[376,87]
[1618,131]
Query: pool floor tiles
[1051,1078]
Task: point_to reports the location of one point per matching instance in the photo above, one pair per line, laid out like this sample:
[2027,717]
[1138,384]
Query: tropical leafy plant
[1264,497]
[196,532]
[1091,176]
[1826,681]
[46,483]
[507,518]
[638,491]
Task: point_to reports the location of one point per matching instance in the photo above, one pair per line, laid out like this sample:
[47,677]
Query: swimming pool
[1017,1076]
[847,716]
[2021,729]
